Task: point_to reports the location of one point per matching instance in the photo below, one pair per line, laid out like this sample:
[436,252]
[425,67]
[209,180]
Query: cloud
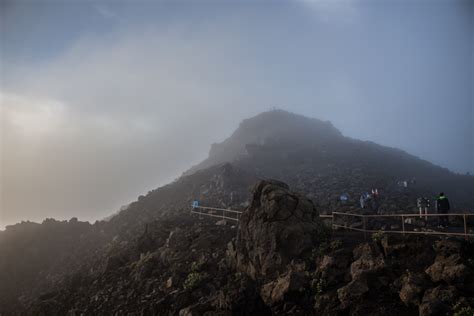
[116,116]
[31,117]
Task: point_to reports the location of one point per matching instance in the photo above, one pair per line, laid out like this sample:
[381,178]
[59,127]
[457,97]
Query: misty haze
[304,157]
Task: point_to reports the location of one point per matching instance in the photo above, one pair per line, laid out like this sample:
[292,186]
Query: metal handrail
[218,216]
[223,216]
[217,209]
[364,221]
[397,215]
[403,231]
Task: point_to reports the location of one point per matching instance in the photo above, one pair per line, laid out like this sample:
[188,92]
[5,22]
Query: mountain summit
[273,127]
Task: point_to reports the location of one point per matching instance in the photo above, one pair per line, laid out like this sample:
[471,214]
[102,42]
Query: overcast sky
[104,100]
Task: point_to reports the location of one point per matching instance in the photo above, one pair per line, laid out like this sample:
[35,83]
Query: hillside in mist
[154,257]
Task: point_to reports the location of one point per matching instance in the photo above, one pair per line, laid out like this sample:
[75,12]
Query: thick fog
[103,100]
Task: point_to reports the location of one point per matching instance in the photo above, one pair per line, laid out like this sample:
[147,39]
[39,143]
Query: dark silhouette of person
[442,205]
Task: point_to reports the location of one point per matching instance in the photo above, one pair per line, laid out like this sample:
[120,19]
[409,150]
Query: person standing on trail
[442,205]
[363,199]
[374,205]
[423,205]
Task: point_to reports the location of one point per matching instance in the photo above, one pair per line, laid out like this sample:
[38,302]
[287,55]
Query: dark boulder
[438,301]
[413,287]
[450,266]
[369,259]
[352,292]
[279,226]
[293,282]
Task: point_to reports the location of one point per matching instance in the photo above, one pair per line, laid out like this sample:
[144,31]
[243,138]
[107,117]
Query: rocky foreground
[280,260]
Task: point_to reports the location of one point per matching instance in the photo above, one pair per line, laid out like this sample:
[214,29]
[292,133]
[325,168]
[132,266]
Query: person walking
[442,205]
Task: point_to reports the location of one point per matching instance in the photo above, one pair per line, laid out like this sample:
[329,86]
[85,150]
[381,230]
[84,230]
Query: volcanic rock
[414,285]
[352,292]
[438,301]
[275,291]
[279,226]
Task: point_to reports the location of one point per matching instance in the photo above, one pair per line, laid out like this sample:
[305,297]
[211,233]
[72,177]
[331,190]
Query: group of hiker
[441,207]
[370,201]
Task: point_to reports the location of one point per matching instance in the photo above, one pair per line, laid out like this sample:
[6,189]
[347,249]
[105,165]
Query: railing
[365,218]
[221,213]
[224,212]
[234,215]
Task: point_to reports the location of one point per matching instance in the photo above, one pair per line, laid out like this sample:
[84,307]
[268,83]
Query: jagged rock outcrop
[291,282]
[413,287]
[439,300]
[450,267]
[368,259]
[278,227]
[352,292]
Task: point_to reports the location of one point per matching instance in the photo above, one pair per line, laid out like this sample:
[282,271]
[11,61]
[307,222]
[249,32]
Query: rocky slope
[153,258]
[280,260]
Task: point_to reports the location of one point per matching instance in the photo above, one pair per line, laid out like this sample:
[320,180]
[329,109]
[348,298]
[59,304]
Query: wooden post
[465,225]
[403,224]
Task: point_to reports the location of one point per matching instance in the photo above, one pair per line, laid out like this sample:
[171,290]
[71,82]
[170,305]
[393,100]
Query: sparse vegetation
[318,283]
[376,237]
[460,310]
[322,250]
[193,280]
[196,266]
[325,248]
[335,244]
[195,276]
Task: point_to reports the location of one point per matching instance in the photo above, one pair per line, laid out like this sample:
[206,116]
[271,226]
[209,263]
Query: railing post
[403,224]
[465,226]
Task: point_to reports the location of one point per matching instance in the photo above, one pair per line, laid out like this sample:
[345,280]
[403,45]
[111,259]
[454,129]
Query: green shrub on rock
[193,280]
[460,310]
[376,237]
